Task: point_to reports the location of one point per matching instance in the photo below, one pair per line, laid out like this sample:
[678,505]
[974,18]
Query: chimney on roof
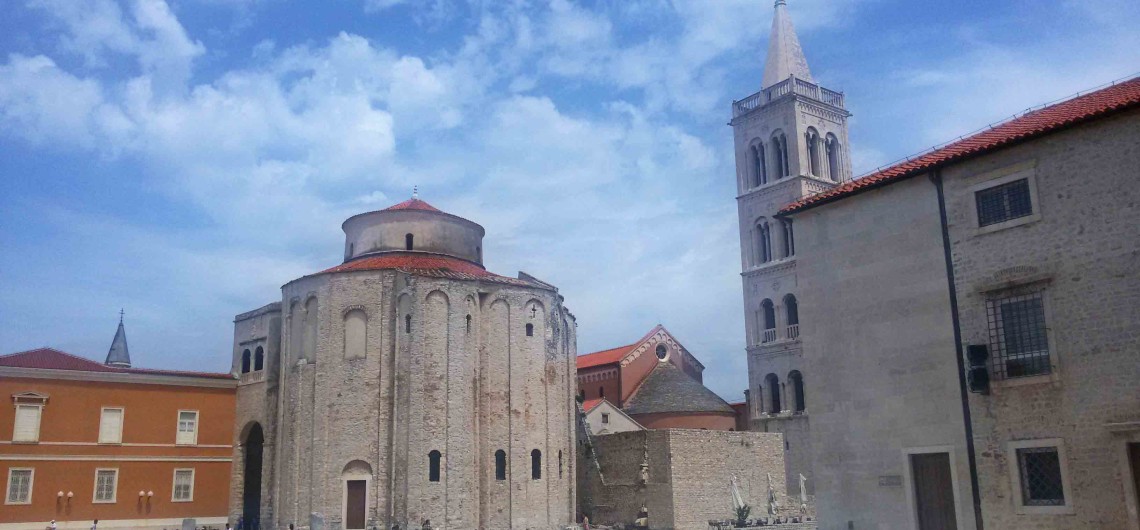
[118,354]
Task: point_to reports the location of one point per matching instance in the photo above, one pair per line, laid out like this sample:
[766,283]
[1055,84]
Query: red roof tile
[1048,119]
[53,359]
[434,265]
[413,204]
[591,360]
[590,404]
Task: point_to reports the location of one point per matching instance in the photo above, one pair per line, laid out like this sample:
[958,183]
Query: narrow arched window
[812,140]
[601,392]
[759,172]
[797,380]
[559,463]
[768,309]
[789,238]
[833,158]
[772,381]
[500,465]
[763,242]
[259,359]
[245,356]
[536,464]
[408,241]
[407,323]
[530,330]
[469,323]
[793,309]
[433,466]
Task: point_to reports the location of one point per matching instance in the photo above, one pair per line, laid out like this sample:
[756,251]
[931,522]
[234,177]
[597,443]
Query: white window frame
[31,485]
[178,428]
[908,480]
[114,487]
[39,422]
[1015,477]
[174,485]
[1025,171]
[122,421]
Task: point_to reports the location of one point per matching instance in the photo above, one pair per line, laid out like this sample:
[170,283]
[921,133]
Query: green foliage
[742,515]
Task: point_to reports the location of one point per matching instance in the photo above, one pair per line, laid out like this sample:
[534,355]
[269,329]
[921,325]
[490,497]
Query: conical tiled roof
[413,204]
[118,354]
[668,389]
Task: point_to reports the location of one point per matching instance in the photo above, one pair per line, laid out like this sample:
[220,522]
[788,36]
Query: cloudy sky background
[183,159]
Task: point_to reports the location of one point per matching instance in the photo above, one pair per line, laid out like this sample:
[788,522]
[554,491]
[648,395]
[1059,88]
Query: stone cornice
[773,267]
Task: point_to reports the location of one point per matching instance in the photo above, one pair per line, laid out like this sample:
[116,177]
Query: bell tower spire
[118,354]
[785,56]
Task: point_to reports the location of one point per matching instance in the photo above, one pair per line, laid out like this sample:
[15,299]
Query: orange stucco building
[655,381]
[134,448]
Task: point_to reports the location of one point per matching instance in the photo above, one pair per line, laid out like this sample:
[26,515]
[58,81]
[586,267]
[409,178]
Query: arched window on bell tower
[757,165]
[811,138]
[833,171]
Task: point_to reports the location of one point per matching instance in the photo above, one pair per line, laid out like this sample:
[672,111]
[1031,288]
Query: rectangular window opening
[183,485]
[1003,202]
[1040,472]
[111,426]
[1019,342]
[106,484]
[27,425]
[187,427]
[19,486]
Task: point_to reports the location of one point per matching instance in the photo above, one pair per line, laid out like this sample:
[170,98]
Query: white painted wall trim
[115,458]
[92,444]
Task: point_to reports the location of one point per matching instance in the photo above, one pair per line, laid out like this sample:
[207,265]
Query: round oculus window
[662,353]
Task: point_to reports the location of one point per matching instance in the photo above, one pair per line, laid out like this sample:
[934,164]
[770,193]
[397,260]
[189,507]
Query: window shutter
[187,428]
[27,427]
[111,426]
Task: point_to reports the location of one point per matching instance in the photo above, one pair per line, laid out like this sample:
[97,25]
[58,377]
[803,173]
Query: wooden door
[933,491]
[355,505]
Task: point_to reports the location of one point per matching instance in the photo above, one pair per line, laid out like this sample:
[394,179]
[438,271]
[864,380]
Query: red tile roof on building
[603,357]
[413,204]
[1097,104]
[591,404]
[434,265]
[53,359]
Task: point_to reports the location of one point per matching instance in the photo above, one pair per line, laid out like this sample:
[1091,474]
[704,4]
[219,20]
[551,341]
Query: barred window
[1018,339]
[1040,470]
[1003,202]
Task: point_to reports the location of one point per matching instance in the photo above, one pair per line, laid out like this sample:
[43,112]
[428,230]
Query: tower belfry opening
[791,141]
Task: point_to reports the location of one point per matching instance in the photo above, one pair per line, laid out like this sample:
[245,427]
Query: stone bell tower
[791,141]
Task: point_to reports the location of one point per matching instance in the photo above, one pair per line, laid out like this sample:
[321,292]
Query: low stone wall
[686,481]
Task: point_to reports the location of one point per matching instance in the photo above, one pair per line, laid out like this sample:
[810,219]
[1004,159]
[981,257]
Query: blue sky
[184,159]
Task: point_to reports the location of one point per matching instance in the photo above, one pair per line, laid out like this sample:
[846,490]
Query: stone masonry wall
[688,475]
[463,388]
[1084,254]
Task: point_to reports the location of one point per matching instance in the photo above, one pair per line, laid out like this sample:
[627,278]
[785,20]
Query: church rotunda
[407,384]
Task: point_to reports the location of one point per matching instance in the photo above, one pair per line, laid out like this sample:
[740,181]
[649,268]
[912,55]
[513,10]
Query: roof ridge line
[1003,121]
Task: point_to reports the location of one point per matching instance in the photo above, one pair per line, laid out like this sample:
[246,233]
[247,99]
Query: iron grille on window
[1018,340]
[1003,202]
[1040,469]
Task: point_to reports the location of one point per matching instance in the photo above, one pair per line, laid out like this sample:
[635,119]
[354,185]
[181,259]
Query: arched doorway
[251,490]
